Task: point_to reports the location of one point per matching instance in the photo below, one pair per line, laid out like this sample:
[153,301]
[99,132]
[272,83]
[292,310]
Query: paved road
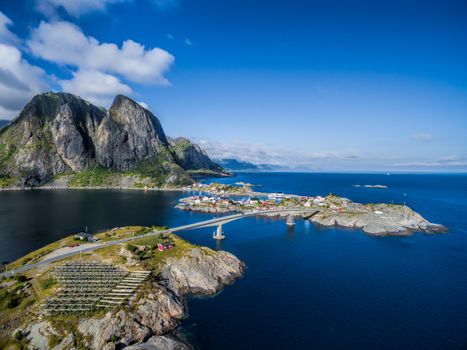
[206,223]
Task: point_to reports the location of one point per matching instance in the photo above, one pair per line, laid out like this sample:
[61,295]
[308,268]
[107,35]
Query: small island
[374,219]
[130,295]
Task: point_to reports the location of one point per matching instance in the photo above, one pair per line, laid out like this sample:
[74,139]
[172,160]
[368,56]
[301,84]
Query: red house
[164,246]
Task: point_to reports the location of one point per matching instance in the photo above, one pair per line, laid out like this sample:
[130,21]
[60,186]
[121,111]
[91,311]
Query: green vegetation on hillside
[93,177]
[21,296]
[7,181]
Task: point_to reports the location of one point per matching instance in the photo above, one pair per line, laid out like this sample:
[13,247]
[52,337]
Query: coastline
[151,317]
[374,219]
[89,188]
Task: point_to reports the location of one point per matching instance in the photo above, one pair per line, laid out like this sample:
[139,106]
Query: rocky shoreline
[373,219]
[151,319]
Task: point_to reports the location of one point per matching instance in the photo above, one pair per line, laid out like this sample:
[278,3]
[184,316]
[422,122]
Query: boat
[276,195]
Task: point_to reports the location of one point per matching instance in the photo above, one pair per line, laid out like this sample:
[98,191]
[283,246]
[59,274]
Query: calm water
[320,288]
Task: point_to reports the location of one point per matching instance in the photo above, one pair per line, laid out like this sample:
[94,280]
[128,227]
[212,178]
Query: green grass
[151,173]
[7,181]
[53,340]
[153,259]
[48,283]
[68,324]
[126,231]
[39,253]
[9,299]
[16,301]
[93,177]
[6,153]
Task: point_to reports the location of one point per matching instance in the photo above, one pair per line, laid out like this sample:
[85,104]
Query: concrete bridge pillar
[290,220]
[218,233]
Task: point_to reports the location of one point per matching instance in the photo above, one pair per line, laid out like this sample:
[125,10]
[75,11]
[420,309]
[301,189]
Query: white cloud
[77,8]
[188,42]
[260,153]
[73,7]
[94,86]
[98,68]
[6,36]
[19,80]
[423,137]
[143,104]
[65,43]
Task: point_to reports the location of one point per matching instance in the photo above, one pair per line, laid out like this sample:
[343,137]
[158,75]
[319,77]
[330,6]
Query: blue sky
[318,85]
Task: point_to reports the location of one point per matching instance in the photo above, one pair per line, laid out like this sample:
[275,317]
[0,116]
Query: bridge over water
[218,222]
[291,213]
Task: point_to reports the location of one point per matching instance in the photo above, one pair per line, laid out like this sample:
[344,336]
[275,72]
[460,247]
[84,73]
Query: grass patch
[68,324]
[47,283]
[41,252]
[7,181]
[93,177]
[151,258]
[53,340]
[127,231]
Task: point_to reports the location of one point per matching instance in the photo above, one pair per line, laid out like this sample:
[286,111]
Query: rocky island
[62,141]
[40,309]
[374,219]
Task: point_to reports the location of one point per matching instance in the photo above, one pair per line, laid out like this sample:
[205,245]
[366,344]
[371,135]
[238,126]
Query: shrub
[131,248]
[21,278]
[11,301]
[47,283]
[19,335]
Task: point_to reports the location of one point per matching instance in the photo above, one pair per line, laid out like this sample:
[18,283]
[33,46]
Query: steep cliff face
[130,133]
[59,133]
[191,156]
[52,135]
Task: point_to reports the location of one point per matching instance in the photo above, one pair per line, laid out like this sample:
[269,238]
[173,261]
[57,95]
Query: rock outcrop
[128,134]
[165,342]
[52,135]
[200,273]
[192,157]
[150,321]
[378,220]
[59,133]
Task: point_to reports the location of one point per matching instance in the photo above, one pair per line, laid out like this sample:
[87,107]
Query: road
[201,224]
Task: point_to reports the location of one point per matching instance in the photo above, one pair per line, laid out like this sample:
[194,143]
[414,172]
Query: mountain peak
[120,99]
[58,133]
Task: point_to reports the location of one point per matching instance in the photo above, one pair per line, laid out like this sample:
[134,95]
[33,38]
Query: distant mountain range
[63,140]
[239,165]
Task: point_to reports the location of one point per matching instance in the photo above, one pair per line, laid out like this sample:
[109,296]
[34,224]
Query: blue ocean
[304,288]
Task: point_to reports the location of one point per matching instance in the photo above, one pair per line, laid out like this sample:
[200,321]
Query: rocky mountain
[59,136]
[231,164]
[192,157]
